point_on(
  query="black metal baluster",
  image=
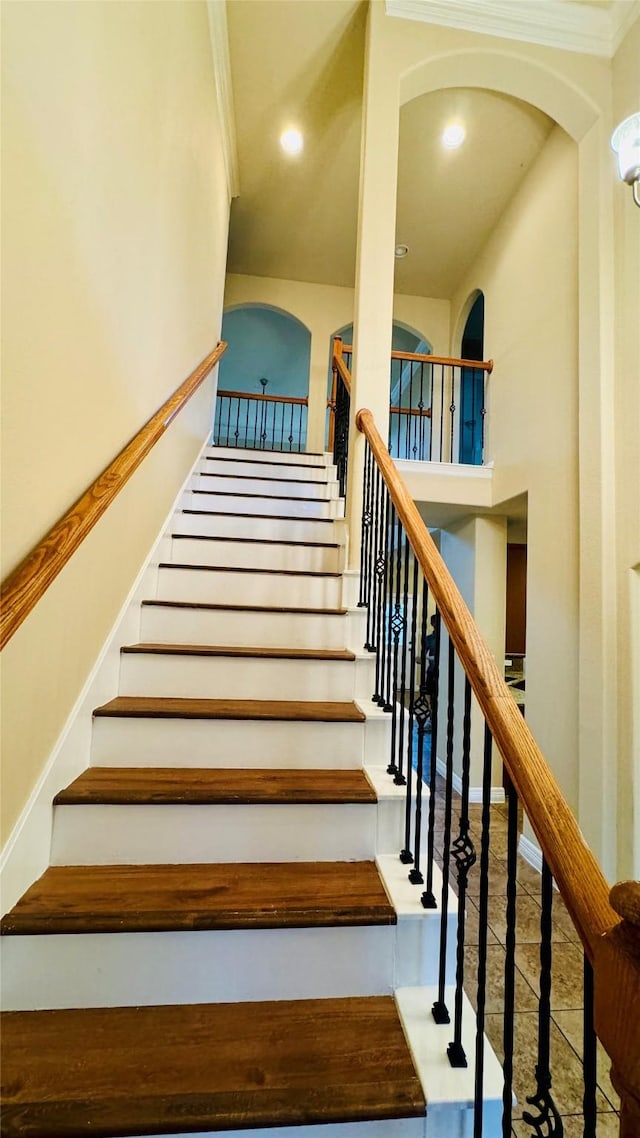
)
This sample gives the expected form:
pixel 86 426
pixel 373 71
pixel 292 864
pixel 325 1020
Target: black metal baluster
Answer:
pixel 400 702
pixel 440 1010
pixel 483 925
pixel 395 626
pixel 464 855
pixel 546 1120
pixel 421 410
pixel 440 456
pixel 227 435
pixel 256 433
pixel 420 713
pixel 452 410
pixel 483 412
pixel 510 960
pixel 589 1056
pixel 246 424
pixel 414 421
pixel 386 697
pixel 407 856
pixel 433 690
pixel 370 643
pixel 381 564
pixel 236 433
pixel 431 432
pixel 365 529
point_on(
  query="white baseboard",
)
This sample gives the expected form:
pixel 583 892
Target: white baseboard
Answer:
pixel 475 792
pixel 25 855
pixel 531 852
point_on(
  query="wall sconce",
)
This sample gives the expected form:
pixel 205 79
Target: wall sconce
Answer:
pixel 625 141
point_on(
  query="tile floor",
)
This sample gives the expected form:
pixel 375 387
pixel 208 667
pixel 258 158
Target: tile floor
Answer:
pixel 567 979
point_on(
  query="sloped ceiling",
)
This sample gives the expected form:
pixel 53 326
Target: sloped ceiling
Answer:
pixel 300 62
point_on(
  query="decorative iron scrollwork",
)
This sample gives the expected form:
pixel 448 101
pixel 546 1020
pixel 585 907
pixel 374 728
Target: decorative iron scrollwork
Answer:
pixel 464 854
pixel 380 563
pixel 422 709
pixel 547 1122
pixel 398 623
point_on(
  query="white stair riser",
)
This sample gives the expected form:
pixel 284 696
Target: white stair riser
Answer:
pixel 250 555
pixel 237 588
pixel 281 471
pixel 238 629
pixel 391 1128
pixel 121 741
pixel 229 677
pixel 276 529
pixel 265 507
pixel 130 969
pixel 177 834
pixel 321 491
pixel 299 458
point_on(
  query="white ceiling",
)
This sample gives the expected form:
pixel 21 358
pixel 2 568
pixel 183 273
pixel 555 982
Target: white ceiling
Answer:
pixel 300 62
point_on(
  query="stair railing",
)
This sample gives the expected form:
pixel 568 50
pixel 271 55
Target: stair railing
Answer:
pixel 257 421
pixel 433 675
pixel 438 408
pixel 339 407
pixel 29 581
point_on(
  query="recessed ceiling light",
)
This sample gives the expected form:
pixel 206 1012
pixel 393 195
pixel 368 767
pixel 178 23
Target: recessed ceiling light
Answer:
pixel 292 141
pixel 401 251
pixel 453 136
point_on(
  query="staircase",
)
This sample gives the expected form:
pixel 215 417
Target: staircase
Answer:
pixel 225 939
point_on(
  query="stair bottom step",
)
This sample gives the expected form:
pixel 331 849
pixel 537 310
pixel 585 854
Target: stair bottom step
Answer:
pixel 174 1069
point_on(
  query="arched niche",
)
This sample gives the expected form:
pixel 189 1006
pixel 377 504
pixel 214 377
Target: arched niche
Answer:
pixel 265 342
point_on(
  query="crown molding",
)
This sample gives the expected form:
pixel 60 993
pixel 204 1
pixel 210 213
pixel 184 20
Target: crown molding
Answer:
pixel 219 36
pixel 583 28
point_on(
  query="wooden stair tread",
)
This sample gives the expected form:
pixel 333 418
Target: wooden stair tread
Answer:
pixel 244 494
pixel 158 898
pixel 146 1070
pixel 269 517
pixel 244 608
pixel 243 569
pixel 265 478
pixel 316 711
pixel 214 786
pixel 256 541
pixel 158 649
pixel 267 461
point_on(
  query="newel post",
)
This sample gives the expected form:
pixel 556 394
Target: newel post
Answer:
pixel 617 1002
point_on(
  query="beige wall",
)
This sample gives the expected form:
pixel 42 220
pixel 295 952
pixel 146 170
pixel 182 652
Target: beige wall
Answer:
pixel 528 273
pixel 115 225
pixel 626 99
pixel 324 309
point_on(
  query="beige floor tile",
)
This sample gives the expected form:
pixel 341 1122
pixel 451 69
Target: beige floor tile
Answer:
pixel 566 1069
pixel 527 920
pixel 561 915
pixel 472 924
pixel 570 1024
pixel 566 976
pixel 525 997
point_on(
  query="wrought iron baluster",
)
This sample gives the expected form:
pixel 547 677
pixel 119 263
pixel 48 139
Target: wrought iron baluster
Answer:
pixel 421 410
pixel 236 433
pixel 440 1009
pixel 510 960
pixel 373 544
pixel 227 436
pixel 246 423
pixel 589 1056
pixel 375 576
pixel 433 691
pixel 483 924
pixel 420 713
pixel 365 529
pixel 400 699
pixel 464 855
pixel 386 701
pixel 546 1120
pixel 431 432
pixel 407 856
pixel 413 419
pixel 395 627
pixel 441 455
pixel 381 565
pixel 452 409
pixel 483 412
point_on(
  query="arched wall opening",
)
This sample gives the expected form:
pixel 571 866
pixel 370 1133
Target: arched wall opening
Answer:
pixel 472 386
pixel 265 343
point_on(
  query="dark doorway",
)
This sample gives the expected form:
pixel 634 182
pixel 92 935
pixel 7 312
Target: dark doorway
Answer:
pixel 472 387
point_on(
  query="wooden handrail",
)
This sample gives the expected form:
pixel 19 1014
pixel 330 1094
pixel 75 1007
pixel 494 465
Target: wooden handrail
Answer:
pixel 28 582
pixel 418 357
pixel 574 867
pixel 339 363
pixel 260 398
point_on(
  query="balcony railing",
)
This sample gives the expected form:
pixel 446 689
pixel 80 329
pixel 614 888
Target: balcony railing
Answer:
pixel 260 422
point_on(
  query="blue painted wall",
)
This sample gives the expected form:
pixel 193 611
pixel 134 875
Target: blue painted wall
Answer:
pixel 264 343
